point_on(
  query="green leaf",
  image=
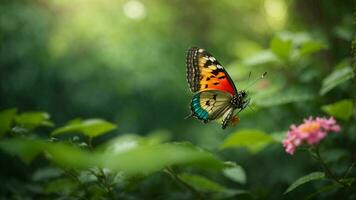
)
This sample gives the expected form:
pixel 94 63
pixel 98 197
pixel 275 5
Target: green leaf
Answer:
pixel 122 143
pixel 279 136
pixel 32 120
pixel 349 181
pixel 201 183
pixel 311 47
pixel 282 48
pixel 6 117
pixel 89 127
pixel 346 62
pixel 157 136
pixel 235 173
pixel 151 158
pixel 263 57
pixel 68 156
pixel 337 77
pixel 74 121
pixel 129 141
pixel 27 150
pixel 253 140
pixel 290 95
pixel 139 160
pixel 60 153
pixel 323 189
pixel 204 184
pixel 305 179
pixel 62 186
pixel 336 155
pixel 342 109
pixel 43 174
pixel 259 96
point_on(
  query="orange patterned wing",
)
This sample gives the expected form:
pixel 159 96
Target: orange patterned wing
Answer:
pixel 204 72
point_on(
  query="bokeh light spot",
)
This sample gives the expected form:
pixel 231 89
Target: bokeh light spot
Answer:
pixel 134 9
pixel 276 11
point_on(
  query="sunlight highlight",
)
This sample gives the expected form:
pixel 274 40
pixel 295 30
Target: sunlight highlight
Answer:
pixel 134 10
pixel 276 11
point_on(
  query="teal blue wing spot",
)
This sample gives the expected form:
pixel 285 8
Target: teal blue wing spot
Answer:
pixel 210 105
pixel 197 110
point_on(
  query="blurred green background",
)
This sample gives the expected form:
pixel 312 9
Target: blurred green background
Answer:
pixel 124 61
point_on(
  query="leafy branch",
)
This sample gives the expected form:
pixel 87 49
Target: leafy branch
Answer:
pixel 104 181
pixel 191 189
pixel 329 173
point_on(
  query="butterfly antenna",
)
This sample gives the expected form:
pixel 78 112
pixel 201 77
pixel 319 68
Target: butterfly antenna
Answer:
pixel 257 79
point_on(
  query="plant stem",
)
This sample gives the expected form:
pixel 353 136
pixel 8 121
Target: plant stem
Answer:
pixel 73 175
pixel 329 173
pixel 349 169
pixel 108 185
pixel 90 143
pixel 104 182
pixel 191 189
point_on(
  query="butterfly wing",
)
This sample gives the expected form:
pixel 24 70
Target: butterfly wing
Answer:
pixel 211 105
pixel 205 73
pixel 227 117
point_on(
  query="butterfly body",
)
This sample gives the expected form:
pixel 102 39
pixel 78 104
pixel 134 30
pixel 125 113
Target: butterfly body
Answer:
pixel 215 93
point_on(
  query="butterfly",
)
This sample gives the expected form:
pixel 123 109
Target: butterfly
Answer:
pixel 215 95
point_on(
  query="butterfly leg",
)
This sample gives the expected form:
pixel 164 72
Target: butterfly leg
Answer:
pixel 189 116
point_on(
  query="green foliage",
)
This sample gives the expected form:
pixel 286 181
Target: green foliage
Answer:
pixel 290 95
pixel 143 159
pixel 305 179
pixel 25 121
pixel 61 186
pixel 337 77
pixel 321 190
pixel 253 140
pixel 46 173
pixel 27 150
pixel 290 47
pixel 260 58
pixel 129 141
pixel 310 47
pixel 31 120
pixel 279 136
pixel 130 154
pixel 235 173
pixel 6 117
pixel 342 109
pixel 282 48
pixel 60 153
pixel 147 159
pixel 89 127
pixel 124 61
pixel 201 183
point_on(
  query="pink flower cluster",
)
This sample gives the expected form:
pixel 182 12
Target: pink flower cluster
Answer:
pixel 311 132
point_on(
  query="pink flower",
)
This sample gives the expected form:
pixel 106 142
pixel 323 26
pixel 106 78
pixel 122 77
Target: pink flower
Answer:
pixel 310 132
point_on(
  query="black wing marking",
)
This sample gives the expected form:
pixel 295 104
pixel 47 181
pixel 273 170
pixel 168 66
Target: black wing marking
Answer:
pixel 193 70
pixel 227 117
